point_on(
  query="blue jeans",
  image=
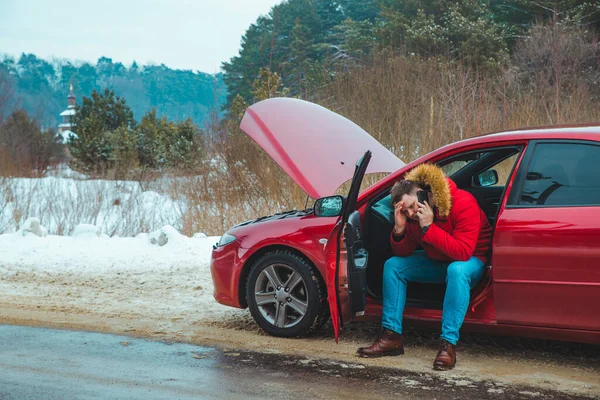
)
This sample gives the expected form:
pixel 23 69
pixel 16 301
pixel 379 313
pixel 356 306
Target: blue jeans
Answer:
pixel 460 277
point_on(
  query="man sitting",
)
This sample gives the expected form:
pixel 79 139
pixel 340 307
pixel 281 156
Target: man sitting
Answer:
pixel 455 236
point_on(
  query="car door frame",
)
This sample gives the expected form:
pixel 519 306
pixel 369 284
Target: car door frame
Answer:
pixel 376 190
pixel 350 259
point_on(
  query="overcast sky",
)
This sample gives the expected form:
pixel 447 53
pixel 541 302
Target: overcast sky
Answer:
pixel 182 34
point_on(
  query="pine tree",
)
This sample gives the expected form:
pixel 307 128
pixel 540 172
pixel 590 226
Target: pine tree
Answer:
pixel 95 123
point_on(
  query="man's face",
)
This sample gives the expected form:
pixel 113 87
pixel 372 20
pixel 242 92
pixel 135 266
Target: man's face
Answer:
pixel 410 206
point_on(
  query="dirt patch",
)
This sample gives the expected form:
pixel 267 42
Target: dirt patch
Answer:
pixel 174 307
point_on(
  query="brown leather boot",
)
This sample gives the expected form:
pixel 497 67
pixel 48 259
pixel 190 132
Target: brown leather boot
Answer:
pixel 446 357
pixel 389 343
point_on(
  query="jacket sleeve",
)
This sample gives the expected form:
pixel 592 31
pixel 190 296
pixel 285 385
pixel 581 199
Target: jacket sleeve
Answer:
pixel 460 245
pixel 406 244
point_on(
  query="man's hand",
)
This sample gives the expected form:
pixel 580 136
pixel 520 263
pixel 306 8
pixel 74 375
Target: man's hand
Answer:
pixel 399 218
pixel 425 214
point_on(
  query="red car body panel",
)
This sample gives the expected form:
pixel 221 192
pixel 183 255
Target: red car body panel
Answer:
pixel 230 263
pixel 540 287
pixel 535 273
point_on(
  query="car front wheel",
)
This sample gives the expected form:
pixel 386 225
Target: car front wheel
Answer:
pixel 285 295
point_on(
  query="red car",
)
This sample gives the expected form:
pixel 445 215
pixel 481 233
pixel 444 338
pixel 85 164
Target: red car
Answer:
pixel 540 189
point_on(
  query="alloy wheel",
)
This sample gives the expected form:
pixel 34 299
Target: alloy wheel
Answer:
pixel 281 296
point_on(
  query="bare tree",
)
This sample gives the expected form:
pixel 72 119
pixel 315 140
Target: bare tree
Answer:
pixel 7 92
pixel 558 59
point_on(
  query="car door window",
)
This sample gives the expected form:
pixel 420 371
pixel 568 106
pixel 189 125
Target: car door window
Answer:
pixel 465 167
pixel 562 174
pixel 454 166
pixel 504 169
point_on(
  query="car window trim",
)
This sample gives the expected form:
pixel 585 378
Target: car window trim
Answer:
pixel 517 189
pixel 519 147
pixel 479 170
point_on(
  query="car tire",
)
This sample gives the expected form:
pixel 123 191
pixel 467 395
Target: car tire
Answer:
pixel 285 295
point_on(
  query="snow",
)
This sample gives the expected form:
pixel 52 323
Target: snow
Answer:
pixel 32 227
pixel 66 134
pixel 108 247
pixel 86 250
pixel 167 234
pixel 63 171
pixel 68 112
pixel 64 200
pixel 125 265
pixel 86 231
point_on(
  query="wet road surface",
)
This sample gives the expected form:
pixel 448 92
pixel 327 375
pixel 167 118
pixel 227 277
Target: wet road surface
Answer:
pixel 37 363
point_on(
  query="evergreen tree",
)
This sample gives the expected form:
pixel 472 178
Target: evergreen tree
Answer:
pixel 459 28
pixel 124 155
pixel 162 143
pixel 183 148
pixel 151 134
pixel 95 123
pixel 360 10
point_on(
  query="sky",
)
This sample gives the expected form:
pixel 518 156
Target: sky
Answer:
pixel 182 34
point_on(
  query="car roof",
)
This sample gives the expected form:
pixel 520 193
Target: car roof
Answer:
pixel 581 131
pixel 568 132
pixel 589 132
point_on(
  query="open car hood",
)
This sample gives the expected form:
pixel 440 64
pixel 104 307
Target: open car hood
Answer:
pixel 316 147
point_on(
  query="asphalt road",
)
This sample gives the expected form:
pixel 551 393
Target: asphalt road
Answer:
pixel 38 363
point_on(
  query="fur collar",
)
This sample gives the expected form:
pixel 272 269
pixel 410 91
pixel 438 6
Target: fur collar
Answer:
pixel 429 176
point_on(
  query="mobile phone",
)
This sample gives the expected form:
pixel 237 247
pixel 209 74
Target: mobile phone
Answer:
pixel 423 196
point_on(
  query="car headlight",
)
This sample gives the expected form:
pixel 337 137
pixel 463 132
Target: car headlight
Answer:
pixel 225 239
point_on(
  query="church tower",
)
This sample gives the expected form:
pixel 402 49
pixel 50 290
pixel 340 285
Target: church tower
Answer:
pixel 71 98
pixel 66 125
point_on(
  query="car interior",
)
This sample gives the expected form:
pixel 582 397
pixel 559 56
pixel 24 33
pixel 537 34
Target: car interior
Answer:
pixel 483 173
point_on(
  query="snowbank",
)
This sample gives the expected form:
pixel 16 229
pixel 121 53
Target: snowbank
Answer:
pixel 86 231
pixel 87 251
pixel 120 275
pixel 32 227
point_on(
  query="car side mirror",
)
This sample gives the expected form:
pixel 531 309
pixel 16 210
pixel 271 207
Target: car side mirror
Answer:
pixel 486 178
pixel 330 206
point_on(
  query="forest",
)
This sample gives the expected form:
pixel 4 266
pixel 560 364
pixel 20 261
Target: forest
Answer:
pixel 415 74
pixel 41 87
pixel 308 42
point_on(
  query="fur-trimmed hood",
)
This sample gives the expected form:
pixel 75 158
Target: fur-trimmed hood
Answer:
pixel 429 176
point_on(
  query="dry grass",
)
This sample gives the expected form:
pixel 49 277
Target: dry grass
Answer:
pixel 414 106
pixel 410 105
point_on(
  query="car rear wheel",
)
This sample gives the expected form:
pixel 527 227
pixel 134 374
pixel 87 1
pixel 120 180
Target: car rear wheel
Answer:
pixel 285 295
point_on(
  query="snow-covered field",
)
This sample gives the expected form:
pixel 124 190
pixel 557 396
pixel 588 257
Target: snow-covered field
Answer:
pixel 113 245
pixel 113 248
pixel 116 207
pixel 64 199
pixel 163 271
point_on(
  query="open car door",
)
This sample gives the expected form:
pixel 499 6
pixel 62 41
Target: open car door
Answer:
pixel 346 277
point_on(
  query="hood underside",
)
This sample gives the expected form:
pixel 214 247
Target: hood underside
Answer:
pixel 316 147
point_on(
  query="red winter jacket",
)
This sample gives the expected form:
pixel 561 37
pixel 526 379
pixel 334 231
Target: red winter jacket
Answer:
pixel 464 233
